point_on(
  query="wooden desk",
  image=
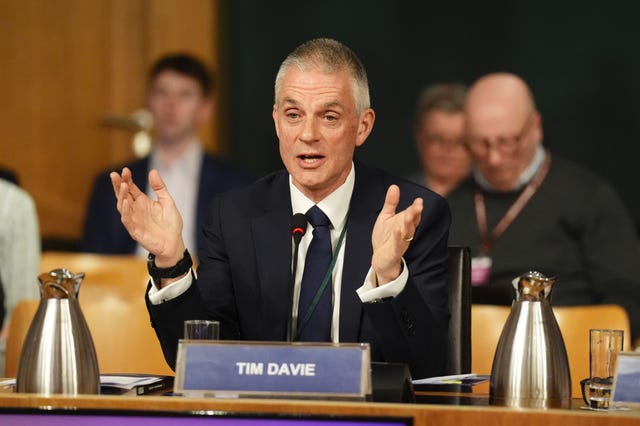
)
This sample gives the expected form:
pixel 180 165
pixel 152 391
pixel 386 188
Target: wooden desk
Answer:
pixel 423 414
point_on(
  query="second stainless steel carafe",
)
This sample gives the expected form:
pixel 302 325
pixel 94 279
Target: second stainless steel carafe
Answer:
pixel 530 366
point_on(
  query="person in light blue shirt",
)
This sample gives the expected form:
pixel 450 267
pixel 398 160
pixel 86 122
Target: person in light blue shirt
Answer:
pixel 19 253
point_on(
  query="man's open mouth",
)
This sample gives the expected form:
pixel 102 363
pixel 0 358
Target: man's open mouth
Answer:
pixel 310 158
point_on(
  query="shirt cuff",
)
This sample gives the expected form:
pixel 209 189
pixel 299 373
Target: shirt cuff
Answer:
pixel 171 291
pixel 369 292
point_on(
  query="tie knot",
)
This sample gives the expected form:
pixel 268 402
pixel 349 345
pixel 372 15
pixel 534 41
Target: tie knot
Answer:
pixel 316 217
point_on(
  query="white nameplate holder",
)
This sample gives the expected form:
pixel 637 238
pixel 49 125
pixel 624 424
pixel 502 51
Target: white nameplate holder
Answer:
pixel 241 369
pixel 626 385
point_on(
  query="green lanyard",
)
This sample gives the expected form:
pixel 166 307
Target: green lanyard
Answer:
pixel 323 285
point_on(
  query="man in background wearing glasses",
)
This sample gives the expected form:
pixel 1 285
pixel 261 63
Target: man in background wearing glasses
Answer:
pixel 525 209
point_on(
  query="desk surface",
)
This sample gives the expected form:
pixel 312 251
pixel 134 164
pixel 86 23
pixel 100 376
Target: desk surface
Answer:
pixel 423 414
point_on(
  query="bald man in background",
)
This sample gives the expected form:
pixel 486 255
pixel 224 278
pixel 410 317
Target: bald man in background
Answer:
pixel 526 209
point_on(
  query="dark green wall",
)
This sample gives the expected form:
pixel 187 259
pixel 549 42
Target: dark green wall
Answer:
pixel 580 61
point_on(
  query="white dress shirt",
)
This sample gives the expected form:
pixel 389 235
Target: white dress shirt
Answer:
pixel 336 207
pixel 182 178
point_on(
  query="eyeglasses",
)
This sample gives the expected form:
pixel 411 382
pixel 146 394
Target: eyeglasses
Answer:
pixel 444 142
pixel 480 146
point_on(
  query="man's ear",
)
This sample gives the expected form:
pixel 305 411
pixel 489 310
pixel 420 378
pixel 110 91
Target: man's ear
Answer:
pixel 274 114
pixel 206 109
pixel 537 125
pixel 365 125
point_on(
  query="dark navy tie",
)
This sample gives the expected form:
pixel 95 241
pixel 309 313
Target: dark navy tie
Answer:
pixel 316 265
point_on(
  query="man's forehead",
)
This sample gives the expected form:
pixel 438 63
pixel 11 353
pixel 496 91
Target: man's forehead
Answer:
pixel 171 77
pixel 331 103
pixel 494 114
pixel 442 115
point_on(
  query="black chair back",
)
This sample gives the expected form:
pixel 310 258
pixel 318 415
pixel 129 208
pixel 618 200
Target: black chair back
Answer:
pixel 459 347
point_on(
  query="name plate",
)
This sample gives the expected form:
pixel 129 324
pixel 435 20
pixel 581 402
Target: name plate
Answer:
pixel 223 368
pixel 626 385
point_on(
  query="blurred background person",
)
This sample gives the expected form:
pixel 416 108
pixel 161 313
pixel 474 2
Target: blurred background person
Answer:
pixel 19 254
pixel 180 99
pixel 8 175
pixel 439 132
pixel 525 209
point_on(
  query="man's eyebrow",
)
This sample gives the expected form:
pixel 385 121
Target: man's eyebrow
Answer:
pixel 328 105
pixel 333 104
pixel 288 100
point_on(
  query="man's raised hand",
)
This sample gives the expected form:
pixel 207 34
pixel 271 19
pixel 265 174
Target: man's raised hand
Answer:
pixel 155 225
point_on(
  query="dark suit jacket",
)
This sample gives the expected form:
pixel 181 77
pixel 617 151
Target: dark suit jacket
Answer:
pixel 103 230
pixel 8 175
pixel 245 266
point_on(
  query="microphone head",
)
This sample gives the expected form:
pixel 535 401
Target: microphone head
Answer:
pixel 298 226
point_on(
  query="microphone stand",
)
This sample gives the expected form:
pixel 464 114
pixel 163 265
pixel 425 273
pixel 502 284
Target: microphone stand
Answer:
pixel 298 229
pixel 291 286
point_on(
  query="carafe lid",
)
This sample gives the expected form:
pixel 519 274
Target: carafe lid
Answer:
pixel 533 286
pixel 60 284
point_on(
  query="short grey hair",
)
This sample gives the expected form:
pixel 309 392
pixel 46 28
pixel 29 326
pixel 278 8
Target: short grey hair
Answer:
pixel 445 97
pixel 328 56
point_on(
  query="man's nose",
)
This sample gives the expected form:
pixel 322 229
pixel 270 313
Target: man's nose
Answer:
pixel 173 99
pixel 309 130
pixel 494 156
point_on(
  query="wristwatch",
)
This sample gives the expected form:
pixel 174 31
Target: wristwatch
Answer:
pixel 180 268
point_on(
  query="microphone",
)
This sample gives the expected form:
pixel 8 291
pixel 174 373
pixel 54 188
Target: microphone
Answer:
pixel 138 120
pixel 298 229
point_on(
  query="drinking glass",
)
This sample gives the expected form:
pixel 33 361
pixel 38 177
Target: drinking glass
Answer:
pixel 201 330
pixel 604 347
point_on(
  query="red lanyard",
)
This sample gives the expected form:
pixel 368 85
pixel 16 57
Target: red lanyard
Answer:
pixel 488 238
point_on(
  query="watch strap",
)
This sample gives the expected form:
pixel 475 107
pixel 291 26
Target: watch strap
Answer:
pixel 180 268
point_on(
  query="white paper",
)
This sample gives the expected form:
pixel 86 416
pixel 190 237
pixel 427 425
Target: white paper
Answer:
pixel 443 380
pixel 127 382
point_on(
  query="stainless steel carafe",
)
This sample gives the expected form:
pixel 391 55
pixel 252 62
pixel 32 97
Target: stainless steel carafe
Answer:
pixel 530 366
pixel 58 355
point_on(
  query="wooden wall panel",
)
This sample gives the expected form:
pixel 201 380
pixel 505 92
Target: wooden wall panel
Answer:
pixel 126 67
pixel 67 63
pixel 187 25
pixel 54 91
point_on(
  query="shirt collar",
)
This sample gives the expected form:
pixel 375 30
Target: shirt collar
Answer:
pixel 334 205
pixel 188 162
pixel 525 177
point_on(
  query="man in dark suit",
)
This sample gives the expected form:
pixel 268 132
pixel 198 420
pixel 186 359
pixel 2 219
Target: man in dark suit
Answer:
pixel 387 282
pixel 180 101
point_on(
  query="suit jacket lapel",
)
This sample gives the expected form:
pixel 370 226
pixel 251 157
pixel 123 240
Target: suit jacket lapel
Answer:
pixel 366 203
pixel 272 233
pixel 206 182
